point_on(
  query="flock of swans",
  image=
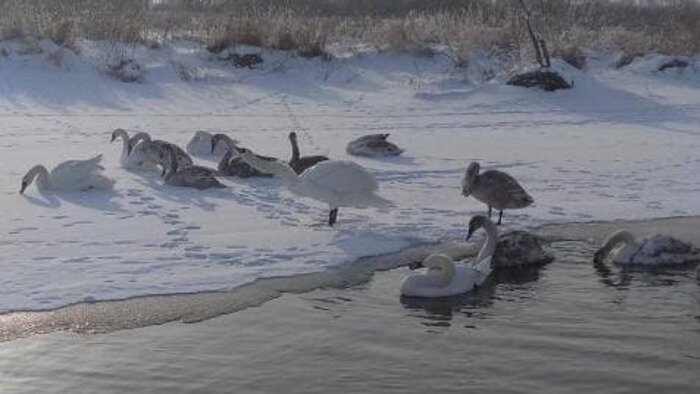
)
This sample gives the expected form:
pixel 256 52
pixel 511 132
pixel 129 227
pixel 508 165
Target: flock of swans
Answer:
pixel 341 184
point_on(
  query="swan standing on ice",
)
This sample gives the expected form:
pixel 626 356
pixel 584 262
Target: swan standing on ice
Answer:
pixel 494 188
pixel 373 145
pixel 300 163
pixel 231 164
pixel 202 144
pixel 197 177
pixel 71 175
pixel 336 183
pixel 444 278
pixel 653 250
pixel 520 249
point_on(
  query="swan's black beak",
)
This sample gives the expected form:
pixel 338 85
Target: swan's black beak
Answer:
pixel 597 257
pixel 470 233
pixel 213 145
pixel 415 265
pixel 112 138
pixel 128 149
pixel 24 186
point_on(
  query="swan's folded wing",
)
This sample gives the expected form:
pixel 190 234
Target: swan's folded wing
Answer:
pixel 505 185
pixel 341 177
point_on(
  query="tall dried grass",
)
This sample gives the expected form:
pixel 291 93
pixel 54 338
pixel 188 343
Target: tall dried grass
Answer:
pixel 670 26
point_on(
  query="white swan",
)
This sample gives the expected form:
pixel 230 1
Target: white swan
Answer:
pixel 71 175
pixel 373 145
pixel 653 250
pixel 203 144
pixel 134 155
pixel 336 183
pixel 444 278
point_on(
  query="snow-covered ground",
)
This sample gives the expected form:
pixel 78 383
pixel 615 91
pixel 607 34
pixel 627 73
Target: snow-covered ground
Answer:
pixel 623 144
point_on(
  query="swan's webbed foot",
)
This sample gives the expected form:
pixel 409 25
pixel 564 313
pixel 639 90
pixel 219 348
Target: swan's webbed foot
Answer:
pixel 332 216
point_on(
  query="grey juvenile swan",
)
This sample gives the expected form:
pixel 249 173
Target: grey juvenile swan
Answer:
pixel 494 188
pixel 373 145
pixel 231 164
pixel 197 177
pixel 143 141
pixel 520 249
pixel 300 163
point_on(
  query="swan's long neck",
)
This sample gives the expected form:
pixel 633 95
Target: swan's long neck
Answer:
pixel 125 141
pixel 295 148
pixel 614 239
pixel 41 174
pixel 273 167
pixel 491 240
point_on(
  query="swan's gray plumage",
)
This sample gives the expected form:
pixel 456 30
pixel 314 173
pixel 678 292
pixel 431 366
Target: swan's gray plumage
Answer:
pixel 235 166
pixel 519 249
pixel 155 147
pixel 494 188
pixel 197 177
pixel 373 145
pixel 300 163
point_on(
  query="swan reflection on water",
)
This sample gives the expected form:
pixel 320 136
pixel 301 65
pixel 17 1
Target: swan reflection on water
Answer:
pixel 439 311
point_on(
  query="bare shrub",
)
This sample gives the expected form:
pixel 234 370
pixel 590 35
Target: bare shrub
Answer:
pixel 309 26
pixel 187 74
pixel 573 55
pixel 55 57
pixel 122 67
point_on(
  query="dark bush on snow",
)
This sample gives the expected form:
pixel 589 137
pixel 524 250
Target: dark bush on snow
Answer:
pixel 249 60
pixel 546 80
pixel 674 63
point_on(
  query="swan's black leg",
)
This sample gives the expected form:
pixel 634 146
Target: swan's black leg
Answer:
pixel 332 216
pixel 490 209
pixel 500 216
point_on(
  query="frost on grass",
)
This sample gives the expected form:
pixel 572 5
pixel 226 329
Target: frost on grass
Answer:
pixel 122 67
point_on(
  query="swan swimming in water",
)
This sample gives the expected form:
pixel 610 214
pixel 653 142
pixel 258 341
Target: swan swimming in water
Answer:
pixel 336 183
pixel 494 188
pixel 197 177
pixel 71 175
pixel 202 144
pixel 446 278
pixel 300 163
pixel 653 250
pixel 373 145
pixel 520 249
pixel 231 164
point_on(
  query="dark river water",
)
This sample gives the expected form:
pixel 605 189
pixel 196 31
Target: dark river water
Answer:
pixel 567 327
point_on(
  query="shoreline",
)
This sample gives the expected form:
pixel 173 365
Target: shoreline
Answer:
pixel 149 310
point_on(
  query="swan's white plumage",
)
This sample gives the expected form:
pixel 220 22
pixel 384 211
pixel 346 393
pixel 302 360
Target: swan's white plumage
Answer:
pixel 436 282
pixel 201 143
pixel 72 175
pixel 445 278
